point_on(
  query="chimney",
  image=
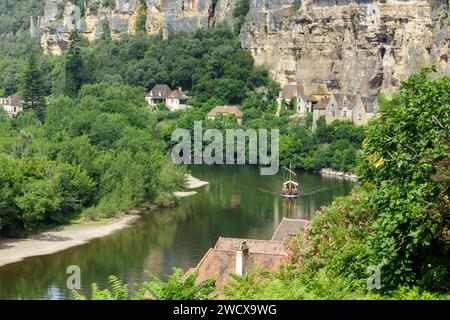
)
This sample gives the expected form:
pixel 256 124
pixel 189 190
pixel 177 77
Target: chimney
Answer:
pixel 241 258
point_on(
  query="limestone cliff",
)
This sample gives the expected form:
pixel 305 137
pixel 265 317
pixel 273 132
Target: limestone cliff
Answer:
pixel 353 45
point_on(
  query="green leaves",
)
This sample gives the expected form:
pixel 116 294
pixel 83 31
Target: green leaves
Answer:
pixel 410 137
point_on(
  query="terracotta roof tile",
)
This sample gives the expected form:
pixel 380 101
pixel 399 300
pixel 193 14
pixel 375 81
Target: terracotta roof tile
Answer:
pixel 226 110
pixel 288 228
pixel 15 101
pixel 255 246
pixel 322 104
pixel 219 263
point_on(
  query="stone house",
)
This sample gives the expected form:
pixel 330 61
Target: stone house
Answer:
pixel 340 107
pixel 12 105
pixel 240 256
pixel 319 110
pixel 226 110
pixel 365 109
pixel 162 94
pixel 178 100
pixel 346 107
pixel 295 97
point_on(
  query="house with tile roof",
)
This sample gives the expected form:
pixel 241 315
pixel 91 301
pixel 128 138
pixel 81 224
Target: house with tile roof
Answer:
pixel 12 105
pixel 239 256
pixel 295 97
pixel 162 94
pixel 340 107
pixel 365 109
pixel 289 228
pixel 319 110
pixel 225 111
pixel 346 107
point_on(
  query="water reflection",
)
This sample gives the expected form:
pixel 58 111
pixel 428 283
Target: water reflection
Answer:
pixel 238 202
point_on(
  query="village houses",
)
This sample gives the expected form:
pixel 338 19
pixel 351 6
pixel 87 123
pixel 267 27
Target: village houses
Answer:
pixel 225 111
pixel 12 105
pixel 162 94
pixel 334 106
pixel 294 97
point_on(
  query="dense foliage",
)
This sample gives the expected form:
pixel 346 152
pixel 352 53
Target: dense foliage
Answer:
pixel 397 222
pixel 96 155
pixel 405 154
pixel 177 287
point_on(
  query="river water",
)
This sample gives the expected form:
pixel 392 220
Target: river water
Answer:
pixel 238 202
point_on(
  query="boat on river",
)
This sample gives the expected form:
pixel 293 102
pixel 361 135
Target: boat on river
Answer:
pixel 290 187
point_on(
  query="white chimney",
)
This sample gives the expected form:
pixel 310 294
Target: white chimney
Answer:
pixel 241 258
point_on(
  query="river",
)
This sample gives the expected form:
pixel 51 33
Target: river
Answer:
pixel 238 202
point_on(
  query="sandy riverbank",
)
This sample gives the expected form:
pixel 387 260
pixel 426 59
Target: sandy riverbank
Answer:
pixel 60 239
pixel 78 233
pixel 192 183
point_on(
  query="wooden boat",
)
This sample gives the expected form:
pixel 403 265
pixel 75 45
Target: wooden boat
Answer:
pixel 290 187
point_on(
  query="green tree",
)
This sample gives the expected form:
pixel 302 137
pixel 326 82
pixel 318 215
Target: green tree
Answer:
pixel 106 31
pixel 401 152
pixel 33 88
pixel 74 66
pixel 141 19
pixel 240 12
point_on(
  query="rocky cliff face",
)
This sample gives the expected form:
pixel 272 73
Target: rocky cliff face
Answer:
pixel 353 45
pixel 163 16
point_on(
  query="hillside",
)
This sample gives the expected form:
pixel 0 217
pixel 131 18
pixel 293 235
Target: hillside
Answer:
pixel 354 46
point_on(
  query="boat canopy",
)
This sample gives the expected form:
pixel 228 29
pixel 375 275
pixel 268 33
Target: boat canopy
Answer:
pixel 290 182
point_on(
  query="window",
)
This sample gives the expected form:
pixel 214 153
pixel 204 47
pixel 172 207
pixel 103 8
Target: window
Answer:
pixel 344 114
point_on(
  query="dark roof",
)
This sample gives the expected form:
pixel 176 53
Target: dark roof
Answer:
pixel 288 228
pixel 370 104
pixel 352 98
pixel 160 91
pixel 226 110
pixel 339 99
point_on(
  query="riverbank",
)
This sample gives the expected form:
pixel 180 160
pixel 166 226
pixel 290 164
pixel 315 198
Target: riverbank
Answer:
pixel 75 234
pixel 339 174
pixel 62 238
pixel 191 183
